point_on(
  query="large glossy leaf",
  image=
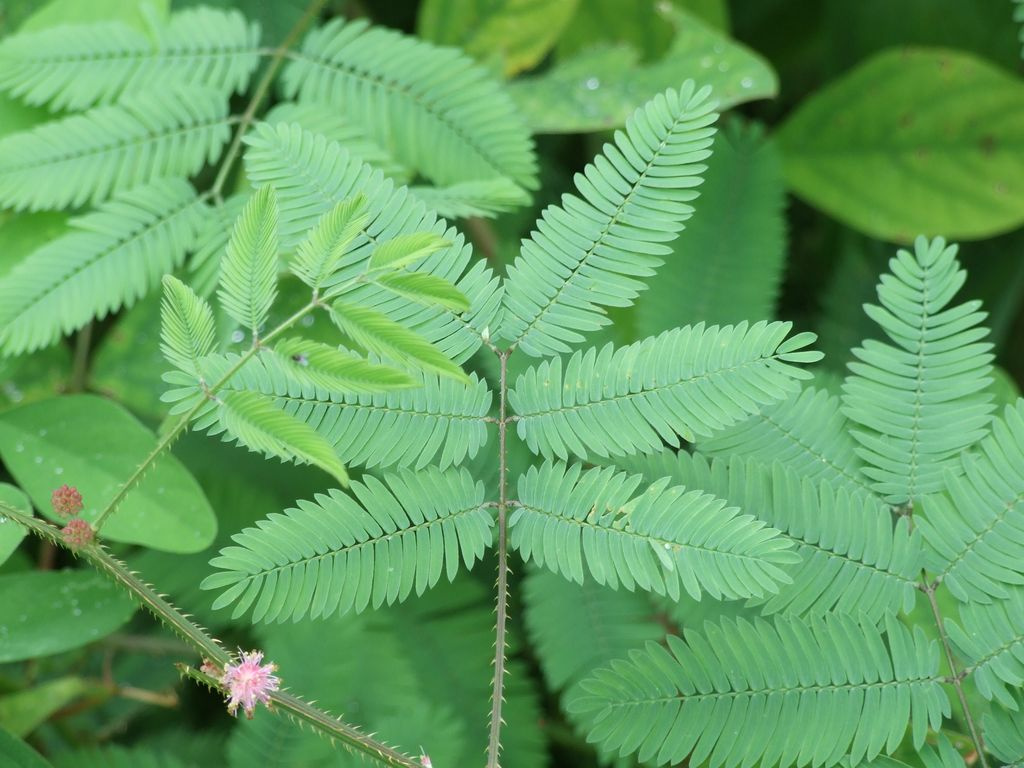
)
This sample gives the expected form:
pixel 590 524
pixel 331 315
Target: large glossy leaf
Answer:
pixel 913 141
pixel 95 445
pixel 512 34
pixel 601 86
pixel 46 612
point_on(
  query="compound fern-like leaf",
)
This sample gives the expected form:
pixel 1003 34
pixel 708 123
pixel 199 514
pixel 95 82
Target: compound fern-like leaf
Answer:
pixel 1004 734
pixel 684 383
pixel 784 693
pixel 437 111
pixel 110 258
pixel 975 531
pixel 853 559
pixel 343 553
pixel 920 400
pixel 248 272
pixel 660 539
pixel 318 256
pixel 86 158
pixel 186 326
pixel 80 65
pixel 315 365
pixel 590 252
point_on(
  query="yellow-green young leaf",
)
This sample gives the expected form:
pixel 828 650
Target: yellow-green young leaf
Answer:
pixel 913 141
pixel 338 371
pixel 378 333
pixel 512 34
pixel 598 88
pixel 248 273
pixel 405 249
pixel 186 326
pixel 318 255
pixel 424 288
pixel 257 423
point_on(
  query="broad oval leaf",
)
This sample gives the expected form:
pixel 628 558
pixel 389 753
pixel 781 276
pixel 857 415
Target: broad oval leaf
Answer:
pixel 46 612
pixel 95 445
pixel 913 141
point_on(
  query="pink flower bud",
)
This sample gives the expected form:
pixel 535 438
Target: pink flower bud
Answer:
pixel 425 761
pixel 77 533
pixel 66 501
pixel 249 683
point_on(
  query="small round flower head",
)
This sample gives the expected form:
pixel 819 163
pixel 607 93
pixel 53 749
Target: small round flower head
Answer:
pixel 249 683
pixel 67 501
pixel 77 533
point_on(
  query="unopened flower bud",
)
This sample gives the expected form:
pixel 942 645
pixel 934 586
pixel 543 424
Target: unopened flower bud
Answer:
pixel 66 501
pixel 77 533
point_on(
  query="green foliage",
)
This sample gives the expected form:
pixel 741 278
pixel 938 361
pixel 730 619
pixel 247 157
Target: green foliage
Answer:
pixel 921 399
pixel 812 693
pixel 867 150
pixel 722 565
pixel 657 540
pixel 338 554
pixel 589 252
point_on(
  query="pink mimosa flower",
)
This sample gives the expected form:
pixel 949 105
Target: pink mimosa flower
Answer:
pixel 249 683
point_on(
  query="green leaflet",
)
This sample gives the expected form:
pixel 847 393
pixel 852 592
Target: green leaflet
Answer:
pixel 921 399
pixel 334 235
pixel 589 253
pixel 110 258
pixel 1004 733
pixel 321 366
pixel 451 127
pixel 802 693
pixel 989 637
pixel 896 146
pixel 684 383
pixel 248 273
pixel 257 423
pixel 973 530
pixel 17 754
pixel 186 326
pixel 78 66
pixel 657 540
pixel 373 549
pixel 86 158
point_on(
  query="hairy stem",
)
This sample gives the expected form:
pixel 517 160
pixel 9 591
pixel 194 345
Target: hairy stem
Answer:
pixel 205 645
pixel 957 676
pixel 179 426
pixel 260 93
pixel 500 641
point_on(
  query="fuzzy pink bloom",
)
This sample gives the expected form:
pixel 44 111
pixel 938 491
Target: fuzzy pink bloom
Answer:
pixel 77 533
pixel 66 501
pixel 249 683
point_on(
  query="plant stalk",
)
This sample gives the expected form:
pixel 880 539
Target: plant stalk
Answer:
pixel 260 92
pixel 500 640
pixel 957 677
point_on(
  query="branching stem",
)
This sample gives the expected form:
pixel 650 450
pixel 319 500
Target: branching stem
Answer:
pixel 260 92
pixel 205 645
pixel 500 642
pixel 956 677
pixel 179 426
